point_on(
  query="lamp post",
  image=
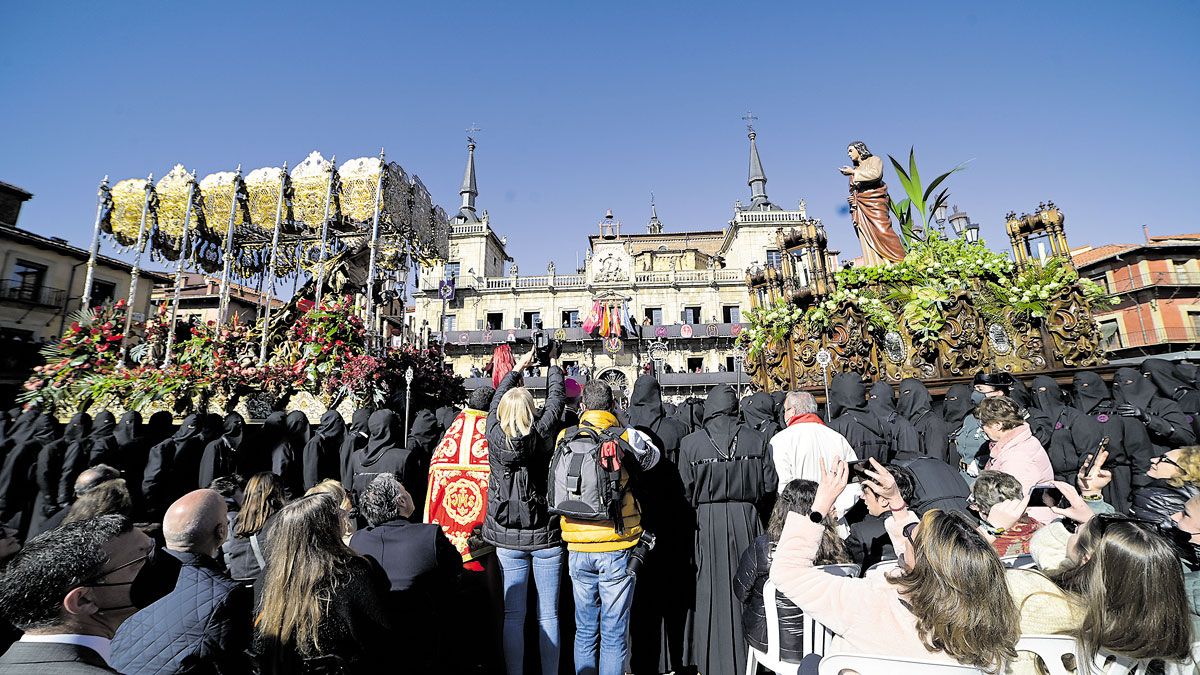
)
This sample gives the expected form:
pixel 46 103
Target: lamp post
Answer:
pixel 963 227
pixel 939 217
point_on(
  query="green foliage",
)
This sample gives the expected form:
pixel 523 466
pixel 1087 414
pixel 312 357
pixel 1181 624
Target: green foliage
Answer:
pixel 920 197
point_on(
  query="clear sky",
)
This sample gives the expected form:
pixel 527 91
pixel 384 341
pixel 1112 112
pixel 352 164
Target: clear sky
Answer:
pixel 590 106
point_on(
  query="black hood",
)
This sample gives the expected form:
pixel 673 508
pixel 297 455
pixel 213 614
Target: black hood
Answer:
pixel 424 432
pixel 233 429
pixel 272 433
pixel 129 429
pixel 1049 401
pixel 445 416
pixel 758 410
pixel 332 425
pixel 721 415
pixel 846 392
pixel 777 398
pixel 1190 373
pixel 1020 393
pixel 958 404
pixel 1166 377
pixel 683 414
pixel 1130 386
pixel 104 425
pixel 78 428
pixel 880 400
pixel 297 427
pixel 645 404
pixel 1090 391
pixel 160 426
pixel 188 431
pixel 384 435
pixel 914 398
pixel 359 420
pixel 45 429
pixel 481 398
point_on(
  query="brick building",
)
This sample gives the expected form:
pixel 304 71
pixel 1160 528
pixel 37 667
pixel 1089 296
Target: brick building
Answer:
pixel 1158 285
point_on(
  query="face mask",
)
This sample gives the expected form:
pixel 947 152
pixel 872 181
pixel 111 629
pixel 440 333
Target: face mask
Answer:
pixel 1182 539
pixel 977 396
pixel 154 580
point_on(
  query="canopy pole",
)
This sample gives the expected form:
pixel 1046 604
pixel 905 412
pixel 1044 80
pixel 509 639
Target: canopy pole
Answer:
pixel 373 329
pixel 184 252
pixel 103 199
pixel 262 349
pixel 136 271
pixel 223 303
pixel 320 277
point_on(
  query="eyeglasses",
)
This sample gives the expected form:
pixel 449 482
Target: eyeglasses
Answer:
pixel 1163 458
pixel 99 584
pixel 1106 519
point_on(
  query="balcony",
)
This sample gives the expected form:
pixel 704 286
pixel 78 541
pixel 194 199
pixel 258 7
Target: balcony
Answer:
pixel 700 331
pixel 579 281
pixel 1151 337
pixel 1127 283
pixel 43 296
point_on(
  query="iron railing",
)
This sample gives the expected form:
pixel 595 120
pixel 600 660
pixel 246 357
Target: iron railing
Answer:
pixel 15 291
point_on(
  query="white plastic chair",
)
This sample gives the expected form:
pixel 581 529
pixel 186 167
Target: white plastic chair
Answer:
pixel 1050 649
pixel 834 664
pixel 882 567
pixel 770 660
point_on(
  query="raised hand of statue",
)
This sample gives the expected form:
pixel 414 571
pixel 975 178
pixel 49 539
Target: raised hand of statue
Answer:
pixel 846 170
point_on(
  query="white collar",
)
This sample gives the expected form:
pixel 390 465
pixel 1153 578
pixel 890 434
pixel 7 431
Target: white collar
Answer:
pixel 100 645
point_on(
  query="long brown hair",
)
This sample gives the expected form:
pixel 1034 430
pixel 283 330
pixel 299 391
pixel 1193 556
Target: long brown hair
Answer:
pixel 264 497
pixel 958 591
pixel 301 578
pixel 797 497
pixel 1131 588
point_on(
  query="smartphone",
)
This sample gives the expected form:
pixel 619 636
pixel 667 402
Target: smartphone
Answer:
pixel 1048 495
pixel 1090 461
pixel 858 470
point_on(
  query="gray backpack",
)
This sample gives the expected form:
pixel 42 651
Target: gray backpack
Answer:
pixel 585 475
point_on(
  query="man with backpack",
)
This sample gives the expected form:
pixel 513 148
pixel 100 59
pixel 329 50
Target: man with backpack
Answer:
pixel 590 476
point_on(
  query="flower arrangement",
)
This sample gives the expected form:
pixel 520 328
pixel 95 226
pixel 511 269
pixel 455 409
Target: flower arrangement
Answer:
pixel 90 345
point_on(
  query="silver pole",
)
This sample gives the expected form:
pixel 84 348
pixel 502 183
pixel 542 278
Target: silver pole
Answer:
pixel 102 199
pixel 373 328
pixel 262 349
pixel 325 233
pixel 408 376
pixel 135 272
pixel 183 254
pixel 223 303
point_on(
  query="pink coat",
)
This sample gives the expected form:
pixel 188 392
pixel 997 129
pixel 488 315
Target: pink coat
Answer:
pixel 1019 454
pixel 865 614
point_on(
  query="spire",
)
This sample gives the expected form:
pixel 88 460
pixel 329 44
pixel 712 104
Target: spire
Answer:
pixel 758 179
pixel 468 190
pixel 655 226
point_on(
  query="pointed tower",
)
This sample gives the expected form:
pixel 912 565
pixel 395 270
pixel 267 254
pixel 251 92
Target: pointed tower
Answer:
pixel 466 213
pixel 758 179
pixel 655 226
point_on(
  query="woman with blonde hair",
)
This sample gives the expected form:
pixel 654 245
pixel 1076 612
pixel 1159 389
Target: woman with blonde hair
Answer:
pixel 1174 478
pixel 319 605
pixel 246 548
pixel 949 602
pixel 527 538
pixel 334 488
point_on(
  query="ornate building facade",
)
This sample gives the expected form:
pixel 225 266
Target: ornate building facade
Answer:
pixel 684 292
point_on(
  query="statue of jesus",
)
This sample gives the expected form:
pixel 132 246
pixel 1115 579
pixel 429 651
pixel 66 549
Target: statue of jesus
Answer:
pixel 869 207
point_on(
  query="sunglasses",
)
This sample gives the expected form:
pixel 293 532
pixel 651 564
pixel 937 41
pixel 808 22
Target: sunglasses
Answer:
pixel 1164 459
pixel 1106 519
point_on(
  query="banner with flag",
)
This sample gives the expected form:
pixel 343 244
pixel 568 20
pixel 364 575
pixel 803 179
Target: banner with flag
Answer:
pixel 593 318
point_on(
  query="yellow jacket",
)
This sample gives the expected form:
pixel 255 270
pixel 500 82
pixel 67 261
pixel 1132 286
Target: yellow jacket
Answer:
pixel 602 536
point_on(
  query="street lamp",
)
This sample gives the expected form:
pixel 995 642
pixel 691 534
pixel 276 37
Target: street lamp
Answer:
pixel 959 221
pixel 939 216
pixel 973 233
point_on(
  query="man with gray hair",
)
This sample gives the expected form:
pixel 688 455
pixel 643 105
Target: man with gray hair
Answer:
pixel 421 564
pixel 204 624
pixel 800 447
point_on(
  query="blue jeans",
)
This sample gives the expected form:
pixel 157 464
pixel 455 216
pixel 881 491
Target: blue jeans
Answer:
pixel 603 598
pixel 514 568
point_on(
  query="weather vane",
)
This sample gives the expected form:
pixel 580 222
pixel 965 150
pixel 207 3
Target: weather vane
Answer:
pixel 750 119
pixel 471 131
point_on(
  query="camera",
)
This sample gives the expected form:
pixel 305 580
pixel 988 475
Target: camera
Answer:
pixel 637 555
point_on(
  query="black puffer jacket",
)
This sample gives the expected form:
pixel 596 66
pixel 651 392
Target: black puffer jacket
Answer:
pixel 517 515
pixel 753 571
pixel 1159 500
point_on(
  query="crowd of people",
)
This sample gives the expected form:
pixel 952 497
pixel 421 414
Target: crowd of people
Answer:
pixel 653 538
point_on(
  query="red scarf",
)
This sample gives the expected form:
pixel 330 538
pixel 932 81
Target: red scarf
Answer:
pixel 806 417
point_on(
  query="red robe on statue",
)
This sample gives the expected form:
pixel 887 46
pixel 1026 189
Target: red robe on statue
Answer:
pixel 456 497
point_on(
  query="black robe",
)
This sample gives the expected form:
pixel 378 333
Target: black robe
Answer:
pixel 102 446
pixel 1172 383
pixel 729 477
pixel 957 406
pixel 131 455
pixel 1093 398
pixel 255 456
pixel 385 454
pixel 73 460
pixel 355 439
pixel 20 481
pixel 287 455
pixel 1166 426
pixel 86 452
pixel 916 406
pixel 220 456
pixel 866 432
pixel 174 466
pixel 322 458
pixel 1073 435
pixel 664 591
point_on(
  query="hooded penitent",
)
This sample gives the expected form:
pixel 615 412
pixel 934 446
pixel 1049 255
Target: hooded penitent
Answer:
pixel 957 405
pixel 21 480
pixel 322 453
pixel 1073 435
pixel 174 465
pixel 916 406
pixel 880 400
pixel 727 476
pixel 355 439
pixel 102 444
pixel 866 432
pixel 385 453
pixel 758 410
pixel 1172 384
pixel 1089 391
pixel 1165 424
pixel 1126 437
pixel 220 455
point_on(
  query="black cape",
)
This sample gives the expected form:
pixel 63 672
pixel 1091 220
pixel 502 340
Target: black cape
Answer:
pixel 869 434
pixel 322 453
pixel 1093 398
pixel 916 406
pixel 1073 435
pixel 220 455
pixel 1166 426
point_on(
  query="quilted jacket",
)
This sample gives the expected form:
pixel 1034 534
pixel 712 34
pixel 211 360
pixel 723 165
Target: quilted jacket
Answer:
pixel 203 626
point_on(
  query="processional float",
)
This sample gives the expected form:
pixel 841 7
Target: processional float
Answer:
pixel 318 219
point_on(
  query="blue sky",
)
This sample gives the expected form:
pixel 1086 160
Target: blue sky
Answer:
pixel 590 106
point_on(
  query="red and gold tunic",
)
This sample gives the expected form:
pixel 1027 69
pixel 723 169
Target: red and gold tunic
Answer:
pixel 458 481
